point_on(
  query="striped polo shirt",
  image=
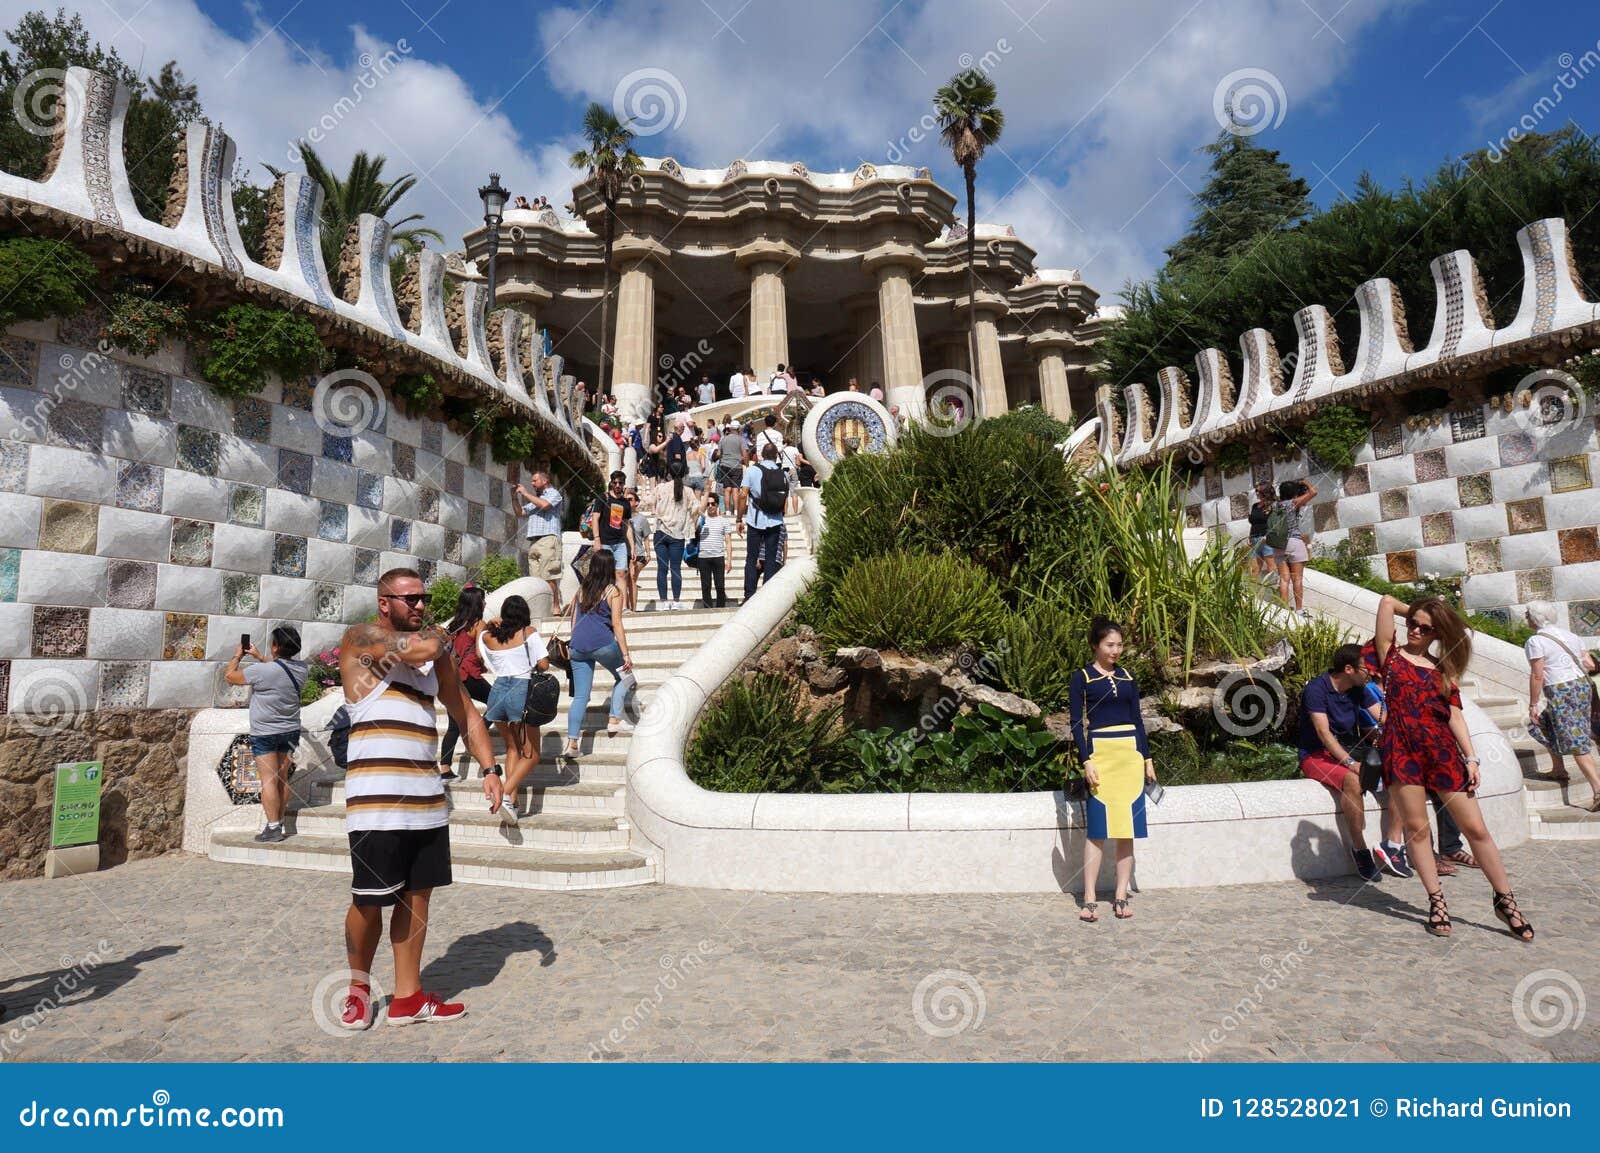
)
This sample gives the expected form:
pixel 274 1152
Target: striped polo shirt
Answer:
pixel 392 781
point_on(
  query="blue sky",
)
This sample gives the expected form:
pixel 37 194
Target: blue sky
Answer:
pixel 1106 102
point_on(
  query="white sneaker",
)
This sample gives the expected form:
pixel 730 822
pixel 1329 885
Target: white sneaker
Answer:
pixel 508 813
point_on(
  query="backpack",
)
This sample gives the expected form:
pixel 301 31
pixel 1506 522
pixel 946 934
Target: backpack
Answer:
pixel 339 736
pixel 774 489
pixel 1278 527
pixel 691 548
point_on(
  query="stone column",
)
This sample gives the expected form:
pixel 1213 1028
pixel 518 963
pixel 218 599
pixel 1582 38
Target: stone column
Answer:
pixel 1055 394
pixel 991 374
pixel 866 361
pixel 894 265
pixel 769 309
pixel 633 366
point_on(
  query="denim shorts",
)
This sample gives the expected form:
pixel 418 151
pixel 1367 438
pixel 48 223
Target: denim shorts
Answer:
pixel 1260 549
pixel 620 552
pixel 507 696
pixel 274 742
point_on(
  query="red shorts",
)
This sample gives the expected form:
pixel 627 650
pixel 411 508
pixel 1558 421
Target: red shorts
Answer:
pixel 1322 768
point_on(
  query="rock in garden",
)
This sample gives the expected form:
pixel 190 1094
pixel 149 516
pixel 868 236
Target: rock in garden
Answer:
pixel 906 678
pixel 1008 703
pixel 858 657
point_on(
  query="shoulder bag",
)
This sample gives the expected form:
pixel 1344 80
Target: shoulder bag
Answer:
pixel 1594 692
pixel 539 707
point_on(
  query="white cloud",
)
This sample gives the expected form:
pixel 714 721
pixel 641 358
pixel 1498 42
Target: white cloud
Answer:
pixel 1104 102
pixel 266 91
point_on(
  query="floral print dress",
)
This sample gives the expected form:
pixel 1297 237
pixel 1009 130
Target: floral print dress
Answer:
pixel 1418 746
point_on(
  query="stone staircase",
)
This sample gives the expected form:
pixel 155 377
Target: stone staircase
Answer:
pixel 574 832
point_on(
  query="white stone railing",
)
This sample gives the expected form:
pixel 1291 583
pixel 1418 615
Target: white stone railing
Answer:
pixel 1552 304
pixel 967 842
pixel 89 181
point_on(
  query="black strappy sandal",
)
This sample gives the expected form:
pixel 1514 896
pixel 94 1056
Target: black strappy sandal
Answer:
pixel 1089 914
pixel 1119 906
pixel 1438 915
pixel 1505 907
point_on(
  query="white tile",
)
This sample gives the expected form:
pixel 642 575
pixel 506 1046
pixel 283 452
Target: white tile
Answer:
pixel 1444 559
pixel 197 404
pixel 128 534
pixel 241 549
pixel 1399 535
pixel 1486 522
pixel 223 633
pixel 1358 510
pixel 135 436
pixel 191 495
pixel 61 578
pixel 126 634
pixel 400 427
pixel 453 512
pixel 1392 472
pixel 1529 550
pixel 16 629
pixel 427 540
pixel 333 480
pixel 79 374
pixel 1577 582
pixel 291 513
pixel 1571 509
pixel 296 430
pixel 179 684
pixel 367 527
pixel 400 497
pixel 19 520
pixel 183 589
pixel 1489 590
pixel 1521 481
pixel 328 560
pixel 430 469
pixel 24 415
pixel 370 451
pixel 248 462
pixel 288 598
pixel 71 474
pixel 1435 496
pixel 1472 456
pixel 54 686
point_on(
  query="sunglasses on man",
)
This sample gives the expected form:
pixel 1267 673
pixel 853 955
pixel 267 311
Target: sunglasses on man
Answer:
pixel 412 599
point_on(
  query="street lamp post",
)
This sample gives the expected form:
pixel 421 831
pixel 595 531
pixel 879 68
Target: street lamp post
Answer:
pixel 494 202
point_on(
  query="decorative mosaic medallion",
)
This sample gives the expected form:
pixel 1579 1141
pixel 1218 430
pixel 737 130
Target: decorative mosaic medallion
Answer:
pixel 841 425
pixel 1569 474
pixel 1402 566
pixel 1524 516
pixel 185 637
pixel 1535 584
pixel 1475 491
pixel 1431 465
pixel 1483 557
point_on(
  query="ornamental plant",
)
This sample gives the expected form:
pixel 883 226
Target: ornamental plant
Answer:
pixel 42 278
pixel 245 341
pixel 1333 435
pixel 418 391
pixel 140 319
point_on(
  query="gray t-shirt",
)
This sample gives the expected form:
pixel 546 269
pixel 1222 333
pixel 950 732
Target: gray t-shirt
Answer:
pixel 274 699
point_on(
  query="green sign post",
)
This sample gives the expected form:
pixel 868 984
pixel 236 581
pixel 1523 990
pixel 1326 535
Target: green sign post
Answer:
pixel 76 818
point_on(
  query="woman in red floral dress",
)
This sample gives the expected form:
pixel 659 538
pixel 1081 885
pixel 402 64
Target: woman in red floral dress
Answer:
pixel 1426 746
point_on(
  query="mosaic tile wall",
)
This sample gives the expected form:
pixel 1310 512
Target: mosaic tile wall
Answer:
pixel 1505 500
pixel 146 522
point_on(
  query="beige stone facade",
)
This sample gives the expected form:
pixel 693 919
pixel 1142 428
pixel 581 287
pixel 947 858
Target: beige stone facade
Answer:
pixel 854 274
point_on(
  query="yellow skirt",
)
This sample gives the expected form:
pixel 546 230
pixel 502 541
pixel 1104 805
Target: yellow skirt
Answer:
pixel 1115 810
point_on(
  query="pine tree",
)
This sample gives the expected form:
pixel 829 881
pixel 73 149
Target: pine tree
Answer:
pixel 1250 193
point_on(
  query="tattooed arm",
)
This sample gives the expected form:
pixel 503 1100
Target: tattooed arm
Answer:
pixel 368 650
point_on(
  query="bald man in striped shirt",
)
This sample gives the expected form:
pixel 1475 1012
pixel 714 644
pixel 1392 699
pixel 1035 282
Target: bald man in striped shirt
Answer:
pixel 395 809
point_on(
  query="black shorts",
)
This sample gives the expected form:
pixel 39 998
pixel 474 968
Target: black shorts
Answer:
pixel 730 477
pixel 387 862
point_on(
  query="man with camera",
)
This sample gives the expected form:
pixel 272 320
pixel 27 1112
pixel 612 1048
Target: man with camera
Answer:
pixel 1338 731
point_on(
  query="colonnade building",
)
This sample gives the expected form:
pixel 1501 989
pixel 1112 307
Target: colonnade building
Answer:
pixel 852 274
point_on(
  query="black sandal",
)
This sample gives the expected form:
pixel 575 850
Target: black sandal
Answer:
pixel 1505 907
pixel 1089 913
pixel 1119 906
pixel 1438 915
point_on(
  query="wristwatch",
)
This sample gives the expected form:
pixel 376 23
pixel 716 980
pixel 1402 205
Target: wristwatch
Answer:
pixel 495 770
pixel 1350 762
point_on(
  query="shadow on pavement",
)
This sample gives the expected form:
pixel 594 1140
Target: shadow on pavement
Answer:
pixel 476 960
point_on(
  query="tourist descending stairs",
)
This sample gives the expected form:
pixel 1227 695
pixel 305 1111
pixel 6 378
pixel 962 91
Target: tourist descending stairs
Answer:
pixel 574 831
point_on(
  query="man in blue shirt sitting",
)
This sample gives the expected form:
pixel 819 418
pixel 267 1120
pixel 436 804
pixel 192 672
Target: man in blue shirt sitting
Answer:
pixel 1335 713
pixel 767 488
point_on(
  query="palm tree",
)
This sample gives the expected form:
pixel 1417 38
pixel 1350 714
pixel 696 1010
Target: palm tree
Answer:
pixel 968 123
pixel 608 160
pixel 363 189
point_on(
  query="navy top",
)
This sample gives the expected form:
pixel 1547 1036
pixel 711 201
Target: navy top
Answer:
pixel 1100 700
pixel 1346 712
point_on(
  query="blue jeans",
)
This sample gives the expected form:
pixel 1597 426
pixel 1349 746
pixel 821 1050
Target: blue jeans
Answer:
pixel 583 663
pixel 765 544
pixel 669 563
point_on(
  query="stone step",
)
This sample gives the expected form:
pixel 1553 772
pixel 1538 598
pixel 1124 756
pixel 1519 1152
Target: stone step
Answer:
pixel 542 792
pixel 1544 793
pixel 1564 825
pixel 472 823
pixel 481 864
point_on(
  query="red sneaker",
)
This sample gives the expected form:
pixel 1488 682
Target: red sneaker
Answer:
pixel 358 1012
pixel 424 1007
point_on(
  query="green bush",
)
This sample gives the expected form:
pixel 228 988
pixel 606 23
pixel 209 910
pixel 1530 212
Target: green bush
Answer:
pixel 1333 435
pixel 512 439
pixel 1232 458
pixel 1314 643
pixel 1034 421
pixel 915 603
pixel 245 342
pixel 984 751
pixel 443 593
pixel 1038 652
pixel 418 391
pixel 140 319
pixel 495 571
pixel 756 737
pixel 42 278
pixel 1184 758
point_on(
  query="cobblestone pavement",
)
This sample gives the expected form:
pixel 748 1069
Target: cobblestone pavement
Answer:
pixel 181 958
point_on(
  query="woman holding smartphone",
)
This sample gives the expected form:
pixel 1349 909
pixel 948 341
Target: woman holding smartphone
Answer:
pixel 1426 746
pixel 1108 731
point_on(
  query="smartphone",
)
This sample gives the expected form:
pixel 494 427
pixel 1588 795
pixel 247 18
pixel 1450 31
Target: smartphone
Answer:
pixel 244 641
pixel 1154 792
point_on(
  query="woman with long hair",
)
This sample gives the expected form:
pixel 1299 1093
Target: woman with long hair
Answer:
pixel 1103 700
pixel 1260 553
pixel 676 513
pixel 1426 746
pixel 1295 553
pixel 464 628
pixel 512 649
pixel 597 639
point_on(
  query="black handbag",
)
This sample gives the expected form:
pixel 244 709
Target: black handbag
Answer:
pixel 544 691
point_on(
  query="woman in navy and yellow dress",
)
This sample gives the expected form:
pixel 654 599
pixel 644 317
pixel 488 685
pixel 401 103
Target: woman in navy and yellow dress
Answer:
pixel 1115 754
